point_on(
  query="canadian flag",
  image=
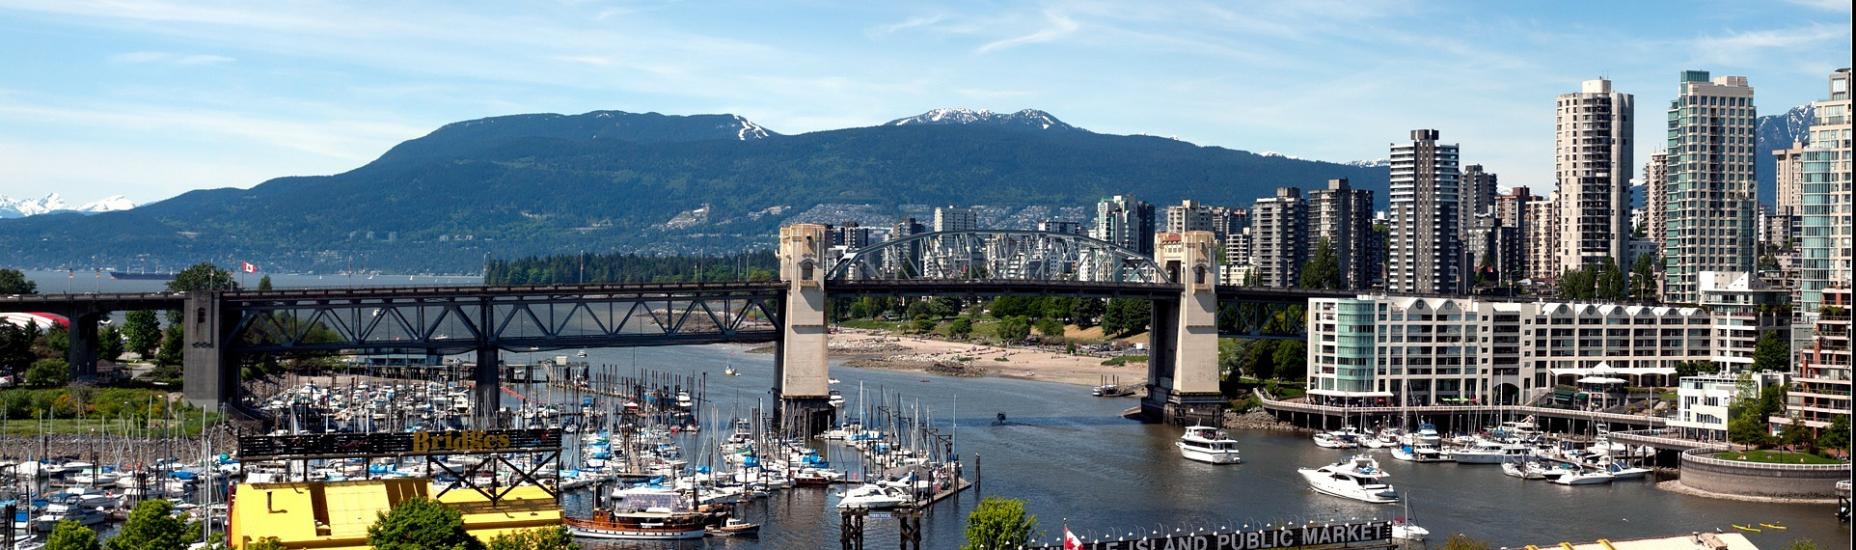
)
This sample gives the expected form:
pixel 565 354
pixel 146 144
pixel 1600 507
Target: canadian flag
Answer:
pixel 1070 542
pixel 247 267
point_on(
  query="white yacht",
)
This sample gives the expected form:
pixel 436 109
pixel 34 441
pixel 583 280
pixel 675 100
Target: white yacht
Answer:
pixel 874 497
pixel 1209 445
pixel 1620 470
pixel 1420 452
pixel 1489 452
pixel 683 400
pixel 1335 440
pixel 1358 478
pixel 1585 478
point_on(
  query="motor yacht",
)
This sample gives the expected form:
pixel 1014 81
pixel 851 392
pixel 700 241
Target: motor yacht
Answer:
pixel 1590 477
pixel 1484 451
pixel 874 497
pixel 1619 470
pixel 1419 453
pixel 1358 478
pixel 1209 445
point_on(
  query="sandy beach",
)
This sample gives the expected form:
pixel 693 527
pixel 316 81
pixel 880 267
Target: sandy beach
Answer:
pixel 874 349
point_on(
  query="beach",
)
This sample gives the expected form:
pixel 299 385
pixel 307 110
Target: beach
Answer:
pixel 876 349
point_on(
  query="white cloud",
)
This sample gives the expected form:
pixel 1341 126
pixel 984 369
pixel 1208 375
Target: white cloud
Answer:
pixel 910 23
pixel 1057 26
pixel 1836 6
pixel 169 58
pixel 1750 48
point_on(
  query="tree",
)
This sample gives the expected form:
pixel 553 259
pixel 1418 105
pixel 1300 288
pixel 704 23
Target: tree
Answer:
pixel 961 327
pixel 418 524
pixel 143 328
pixel 153 525
pixel 1771 353
pixel 999 523
pixel 71 535
pixel 1260 359
pixel 1124 316
pixel 1050 328
pixel 171 341
pixel 1837 436
pixel 109 343
pixel 1013 329
pixel 48 373
pixel 264 283
pixel 1086 311
pixel 13 281
pixel 1462 542
pixel 1643 278
pixel 266 543
pixel 16 345
pixel 1291 358
pixel 202 276
pixel 1323 268
pixel 547 538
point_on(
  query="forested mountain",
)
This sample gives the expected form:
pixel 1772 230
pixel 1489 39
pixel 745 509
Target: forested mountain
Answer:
pixel 610 181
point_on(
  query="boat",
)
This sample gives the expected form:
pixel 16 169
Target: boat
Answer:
pixel 1489 452
pixel 1404 529
pixel 735 528
pixel 1520 470
pixel 1334 440
pixel 1209 445
pixel 835 398
pixel 1622 471
pixel 581 355
pixel 683 400
pixel 874 497
pixel 1585 478
pixel 1745 528
pixel 1419 453
pixel 127 276
pixel 642 513
pixel 1358 478
pixel 730 371
pixel 1773 526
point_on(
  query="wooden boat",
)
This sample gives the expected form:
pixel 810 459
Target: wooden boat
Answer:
pixel 735 528
pixel 645 525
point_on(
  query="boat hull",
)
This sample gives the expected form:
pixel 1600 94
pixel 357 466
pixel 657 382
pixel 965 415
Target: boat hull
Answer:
pixel 1320 482
pixel 1207 456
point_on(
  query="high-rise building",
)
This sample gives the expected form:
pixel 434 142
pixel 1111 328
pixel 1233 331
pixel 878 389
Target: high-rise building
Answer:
pixel 1279 232
pixel 1743 308
pixel 1788 178
pixel 1343 216
pixel 1592 164
pixel 1227 221
pixel 1655 196
pixel 1511 215
pixel 1060 226
pixel 1189 215
pixel 1477 196
pixel 1824 232
pixel 954 218
pixel 1543 231
pixel 1821 389
pixel 1423 252
pixel 1125 221
pixel 1710 211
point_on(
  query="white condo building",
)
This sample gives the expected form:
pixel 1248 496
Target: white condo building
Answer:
pixel 1710 188
pixel 1592 163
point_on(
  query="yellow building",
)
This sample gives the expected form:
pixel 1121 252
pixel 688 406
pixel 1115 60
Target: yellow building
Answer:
pixel 336 515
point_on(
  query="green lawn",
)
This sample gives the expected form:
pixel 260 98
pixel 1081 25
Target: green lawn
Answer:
pixel 67 426
pixel 1777 457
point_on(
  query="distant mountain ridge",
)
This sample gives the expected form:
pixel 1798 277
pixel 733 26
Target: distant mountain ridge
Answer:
pixel 51 203
pixel 609 181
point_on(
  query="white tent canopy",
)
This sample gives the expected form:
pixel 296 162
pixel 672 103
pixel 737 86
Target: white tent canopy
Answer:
pixel 1601 380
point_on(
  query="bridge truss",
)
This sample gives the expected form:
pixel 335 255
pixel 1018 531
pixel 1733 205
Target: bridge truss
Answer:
pixel 998 255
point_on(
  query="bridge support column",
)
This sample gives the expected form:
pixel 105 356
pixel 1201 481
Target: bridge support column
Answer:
pixel 1182 384
pixel 81 355
pixel 209 378
pixel 486 376
pixel 800 367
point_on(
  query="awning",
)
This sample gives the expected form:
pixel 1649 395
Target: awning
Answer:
pixel 1601 380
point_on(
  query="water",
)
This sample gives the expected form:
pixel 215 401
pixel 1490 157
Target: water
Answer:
pixel 1071 457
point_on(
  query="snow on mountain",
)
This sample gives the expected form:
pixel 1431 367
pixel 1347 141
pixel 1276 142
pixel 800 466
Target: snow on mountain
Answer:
pixel 749 130
pixel 960 115
pixel 1376 163
pixel 19 208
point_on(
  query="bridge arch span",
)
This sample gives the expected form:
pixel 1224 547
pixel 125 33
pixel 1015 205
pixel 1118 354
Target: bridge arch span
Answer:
pixel 998 254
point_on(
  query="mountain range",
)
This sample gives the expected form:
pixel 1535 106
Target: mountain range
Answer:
pixel 1774 132
pixel 610 181
pixel 19 208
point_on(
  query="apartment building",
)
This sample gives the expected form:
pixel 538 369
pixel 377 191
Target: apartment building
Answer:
pixel 1279 233
pixel 1710 207
pixel 1423 249
pixel 1343 216
pixel 1592 167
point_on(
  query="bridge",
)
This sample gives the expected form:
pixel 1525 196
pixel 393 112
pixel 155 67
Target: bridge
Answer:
pixel 222 327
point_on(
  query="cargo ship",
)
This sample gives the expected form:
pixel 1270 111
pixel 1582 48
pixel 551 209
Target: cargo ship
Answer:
pixel 126 276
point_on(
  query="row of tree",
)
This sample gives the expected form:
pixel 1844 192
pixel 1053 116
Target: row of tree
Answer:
pixel 415 524
pixel 631 268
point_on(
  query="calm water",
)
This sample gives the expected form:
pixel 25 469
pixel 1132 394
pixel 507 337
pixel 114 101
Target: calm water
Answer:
pixel 1069 455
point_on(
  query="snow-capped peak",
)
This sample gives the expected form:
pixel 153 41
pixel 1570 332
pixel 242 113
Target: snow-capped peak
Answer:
pixel 961 115
pixel 53 202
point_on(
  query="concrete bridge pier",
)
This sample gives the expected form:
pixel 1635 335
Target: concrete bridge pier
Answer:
pixel 486 376
pixel 209 374
pixel 81 355
pixel 1182 363
pixel 800 367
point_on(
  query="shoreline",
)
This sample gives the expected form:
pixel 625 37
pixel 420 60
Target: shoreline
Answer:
pixel 872 349
pixel 1676 486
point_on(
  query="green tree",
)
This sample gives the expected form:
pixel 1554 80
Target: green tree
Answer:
pixel 1123 316
pixel 109 343
pixel 153 525
pixel 1771 353
pixel 1086 312
pixel 923 324
pixel 1013 329
pixel 961 327
pixel 202 276
pixel 264 283
pixel 172 340
pixel 1050 328
pixel 420 524
pixel 48 373
pixel 1323 268
pixel 71 535
pixel 16 345
pixel 1643 278
pixel 1837 436
pixel 1291 358
pixel 143 328
pixel 1260 359
pixel 1460 541
pixel 547 538
pixel 999 523
pixel 13 281
pixel 266 543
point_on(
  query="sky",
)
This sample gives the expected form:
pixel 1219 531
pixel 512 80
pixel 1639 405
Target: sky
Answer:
pixel 150 99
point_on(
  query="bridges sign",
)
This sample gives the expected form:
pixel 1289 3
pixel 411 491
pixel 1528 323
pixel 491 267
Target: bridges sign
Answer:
pixel 1374 534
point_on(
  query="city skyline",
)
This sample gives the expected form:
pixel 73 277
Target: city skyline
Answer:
pixel 150 99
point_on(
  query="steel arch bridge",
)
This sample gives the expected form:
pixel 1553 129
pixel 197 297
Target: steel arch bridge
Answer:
pixel 998 255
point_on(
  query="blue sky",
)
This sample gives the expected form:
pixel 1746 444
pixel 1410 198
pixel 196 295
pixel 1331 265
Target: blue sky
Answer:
pixel 152 98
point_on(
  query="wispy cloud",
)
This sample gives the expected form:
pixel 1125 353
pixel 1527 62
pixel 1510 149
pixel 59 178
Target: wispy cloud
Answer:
pixel 169 58
pixel 910 23
pixel 1057 25
pixel 1746 48
pixel 1836 6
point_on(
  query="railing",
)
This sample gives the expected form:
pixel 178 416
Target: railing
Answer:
pixel 1660 438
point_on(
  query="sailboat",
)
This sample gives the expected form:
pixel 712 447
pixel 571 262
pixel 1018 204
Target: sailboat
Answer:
pixel 1404 529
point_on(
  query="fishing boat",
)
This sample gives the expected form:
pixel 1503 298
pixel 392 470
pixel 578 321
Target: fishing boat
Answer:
pixel 1358 478
pixel 1209 445
pixel 735 528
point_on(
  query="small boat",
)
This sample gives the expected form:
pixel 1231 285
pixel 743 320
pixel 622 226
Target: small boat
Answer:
pixel 1585 478
pixel 836 398
pixel 1405 530
pixel 1209 445
pixel 1745 528
pixel 1334 440
pixel 1419 453
pixel 683 400
pixel 1520 470
pixel 1358 478
pixel 581 355
pixel 730 371
pixel 1773 526
pixel 874 497
pixel 735 528
pixel 1489 452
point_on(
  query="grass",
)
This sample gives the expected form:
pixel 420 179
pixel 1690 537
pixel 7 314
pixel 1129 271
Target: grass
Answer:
pixel 1124 359
pixel 1771 456
pixel 74 426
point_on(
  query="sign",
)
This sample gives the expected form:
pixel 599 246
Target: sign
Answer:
pixel 1325 535
pixel 398 444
